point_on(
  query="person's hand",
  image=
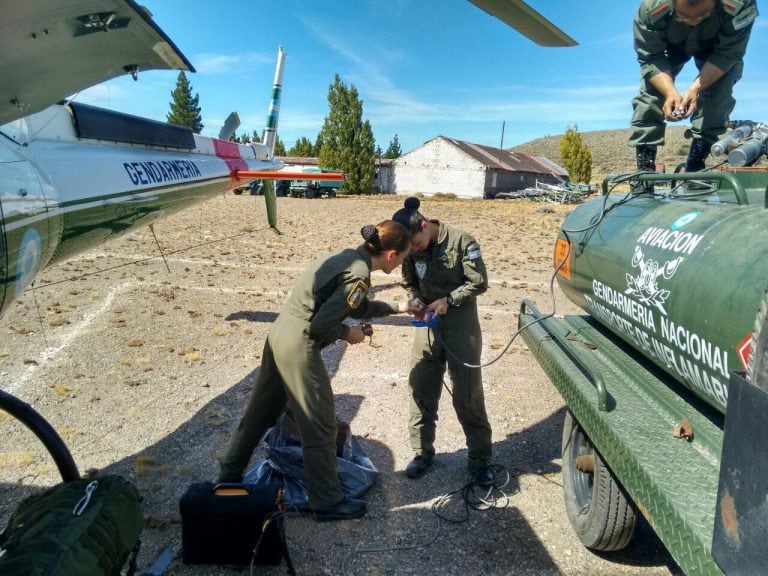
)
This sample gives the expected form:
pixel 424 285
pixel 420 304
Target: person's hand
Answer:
pixel 414 307
pixel 355 335
pixel 673 107
pixel 439 307
pixel 690 100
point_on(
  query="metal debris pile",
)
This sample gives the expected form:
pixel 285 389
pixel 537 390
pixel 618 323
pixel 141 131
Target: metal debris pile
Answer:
pixel 565 193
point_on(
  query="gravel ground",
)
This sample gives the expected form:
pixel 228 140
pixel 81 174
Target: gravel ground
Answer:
pixel 144 372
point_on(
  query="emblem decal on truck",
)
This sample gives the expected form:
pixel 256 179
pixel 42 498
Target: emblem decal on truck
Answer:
pixel 645 285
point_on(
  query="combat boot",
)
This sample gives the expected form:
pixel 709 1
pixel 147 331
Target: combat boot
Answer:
pixel 697 154
pixel 418 466
pixel 347 509
pixel 646 162
pixel 646 158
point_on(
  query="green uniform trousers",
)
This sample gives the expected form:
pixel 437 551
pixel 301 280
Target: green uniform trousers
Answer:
pixel 292 371
pixel 459 332
pixel 708 122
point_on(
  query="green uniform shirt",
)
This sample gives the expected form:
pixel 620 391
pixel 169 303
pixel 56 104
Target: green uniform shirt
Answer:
pixel 721 39
pixel 451 266
pixel 333 288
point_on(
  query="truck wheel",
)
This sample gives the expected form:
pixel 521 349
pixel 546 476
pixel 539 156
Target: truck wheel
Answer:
pixel 331 193
pixel 596 506
pixel 309 193
pixel 757 367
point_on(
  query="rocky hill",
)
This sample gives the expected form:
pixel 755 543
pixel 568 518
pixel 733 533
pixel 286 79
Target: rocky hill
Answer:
pixel 610 153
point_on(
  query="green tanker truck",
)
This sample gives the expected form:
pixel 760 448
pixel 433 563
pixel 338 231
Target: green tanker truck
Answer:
pixel 665 376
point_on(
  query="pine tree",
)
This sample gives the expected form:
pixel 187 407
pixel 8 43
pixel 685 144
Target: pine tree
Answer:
pixel 303 148
pixel 318 145
pixel 394 150
pixel 347 140
pixel 577 159
pixel 279 146
pixel 184 108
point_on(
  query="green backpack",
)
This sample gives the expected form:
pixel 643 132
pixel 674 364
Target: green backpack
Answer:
pixel 86 527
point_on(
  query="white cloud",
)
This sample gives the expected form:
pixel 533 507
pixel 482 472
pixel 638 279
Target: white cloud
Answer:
pixel 228 63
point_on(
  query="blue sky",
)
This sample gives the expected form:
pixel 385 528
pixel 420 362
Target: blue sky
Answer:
pixel 422 68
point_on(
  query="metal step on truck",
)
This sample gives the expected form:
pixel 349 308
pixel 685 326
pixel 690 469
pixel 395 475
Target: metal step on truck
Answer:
pixel 665 376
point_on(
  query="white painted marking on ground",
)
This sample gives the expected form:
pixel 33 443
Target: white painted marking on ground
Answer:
pixel 50 353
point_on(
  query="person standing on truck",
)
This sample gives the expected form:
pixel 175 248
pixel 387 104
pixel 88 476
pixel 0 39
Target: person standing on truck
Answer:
pixel 292 371
pixel 444 274
pixel 667 34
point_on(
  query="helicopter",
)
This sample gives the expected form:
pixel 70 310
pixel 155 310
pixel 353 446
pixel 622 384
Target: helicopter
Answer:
pixel 73 175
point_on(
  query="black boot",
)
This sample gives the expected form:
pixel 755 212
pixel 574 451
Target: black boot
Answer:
pixel 646 158
pixel 697 154
pixel 646 162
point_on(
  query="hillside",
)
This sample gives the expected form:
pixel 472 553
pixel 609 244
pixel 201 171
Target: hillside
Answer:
pixel 610 153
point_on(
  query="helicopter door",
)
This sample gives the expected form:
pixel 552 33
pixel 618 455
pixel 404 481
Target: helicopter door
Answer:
pixel 23 228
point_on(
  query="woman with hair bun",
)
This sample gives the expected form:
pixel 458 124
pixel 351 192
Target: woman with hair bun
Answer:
pixel 445 273
pixel 292 371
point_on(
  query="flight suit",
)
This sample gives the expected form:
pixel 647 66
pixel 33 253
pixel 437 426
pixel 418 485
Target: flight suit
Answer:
pixel 292 370
pixel 663 44
pixel 451 266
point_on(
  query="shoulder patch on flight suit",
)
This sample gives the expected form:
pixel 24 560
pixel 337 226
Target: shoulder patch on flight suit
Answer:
pixel 473 251
pixel 741 18
pixel 357 294
pixel 660 9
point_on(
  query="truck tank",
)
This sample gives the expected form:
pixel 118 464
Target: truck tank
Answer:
pixel 680 281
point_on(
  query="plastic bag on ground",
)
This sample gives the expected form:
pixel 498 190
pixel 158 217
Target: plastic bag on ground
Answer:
pixel 285 463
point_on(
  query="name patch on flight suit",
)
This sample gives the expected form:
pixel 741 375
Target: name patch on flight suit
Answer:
pixel 450 258
pixel 421 269
pixel 357 294
pixel 473 251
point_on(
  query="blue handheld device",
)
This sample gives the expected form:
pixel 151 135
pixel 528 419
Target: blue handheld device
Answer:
pixel 429 320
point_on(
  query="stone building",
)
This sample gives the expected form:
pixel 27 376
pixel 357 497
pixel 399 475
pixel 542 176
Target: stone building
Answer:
pixel 445 165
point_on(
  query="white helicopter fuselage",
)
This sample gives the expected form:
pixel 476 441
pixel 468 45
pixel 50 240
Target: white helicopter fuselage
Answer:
pixel 72 175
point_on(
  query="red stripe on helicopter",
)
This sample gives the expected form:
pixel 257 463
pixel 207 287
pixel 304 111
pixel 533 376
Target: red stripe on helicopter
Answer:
pixel 230 153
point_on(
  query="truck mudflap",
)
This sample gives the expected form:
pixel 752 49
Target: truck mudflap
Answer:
pixel 632 413
pixel 740 542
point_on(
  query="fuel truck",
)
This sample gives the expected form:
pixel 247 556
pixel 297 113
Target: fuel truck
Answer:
pixel 665 376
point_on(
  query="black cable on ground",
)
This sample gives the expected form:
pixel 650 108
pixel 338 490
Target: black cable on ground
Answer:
pixel 472 495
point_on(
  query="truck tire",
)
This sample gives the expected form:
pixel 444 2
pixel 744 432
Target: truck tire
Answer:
pixel 331 193
pixel 599 512
pixel 757 367
pixel 309 193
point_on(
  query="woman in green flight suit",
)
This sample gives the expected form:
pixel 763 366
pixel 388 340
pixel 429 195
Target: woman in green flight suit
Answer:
pixel 445 273
pixel 292 371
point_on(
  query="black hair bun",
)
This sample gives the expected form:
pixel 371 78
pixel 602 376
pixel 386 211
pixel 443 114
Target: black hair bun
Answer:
pixel 412 203
pixel 370 234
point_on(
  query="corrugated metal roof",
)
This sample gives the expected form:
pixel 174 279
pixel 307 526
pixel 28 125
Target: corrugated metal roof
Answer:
pixel 499 159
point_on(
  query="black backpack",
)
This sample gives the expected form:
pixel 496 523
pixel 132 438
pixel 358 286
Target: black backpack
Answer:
pixel 81 527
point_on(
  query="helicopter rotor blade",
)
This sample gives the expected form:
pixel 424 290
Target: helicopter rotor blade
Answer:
pixel 527 21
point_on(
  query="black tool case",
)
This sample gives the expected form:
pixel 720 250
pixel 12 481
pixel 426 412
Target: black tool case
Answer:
pixel 222 524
